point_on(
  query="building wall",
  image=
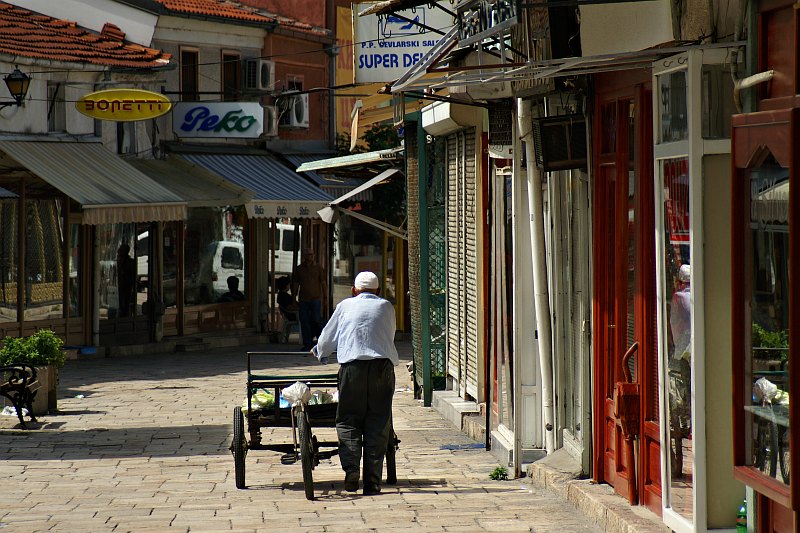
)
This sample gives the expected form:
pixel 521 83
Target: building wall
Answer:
pixel 646 24
pixel 724 492
pixel 307 60
pixel 308 11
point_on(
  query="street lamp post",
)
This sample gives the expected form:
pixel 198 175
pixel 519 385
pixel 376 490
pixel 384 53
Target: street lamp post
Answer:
pixel 17 83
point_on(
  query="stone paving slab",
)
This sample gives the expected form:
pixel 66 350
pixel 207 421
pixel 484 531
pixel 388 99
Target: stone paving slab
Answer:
pixel 140 444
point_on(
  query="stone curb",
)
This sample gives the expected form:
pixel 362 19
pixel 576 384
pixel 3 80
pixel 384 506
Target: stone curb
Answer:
pixel 596 501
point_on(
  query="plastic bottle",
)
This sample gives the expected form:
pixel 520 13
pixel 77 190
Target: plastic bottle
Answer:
pixel 741 518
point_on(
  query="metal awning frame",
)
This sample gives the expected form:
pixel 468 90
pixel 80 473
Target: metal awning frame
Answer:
pixel 542 69
pixel 332 210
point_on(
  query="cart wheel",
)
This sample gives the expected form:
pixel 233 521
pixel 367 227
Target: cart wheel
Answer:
pixel 391 466
pixel 238 446
pixel 306 453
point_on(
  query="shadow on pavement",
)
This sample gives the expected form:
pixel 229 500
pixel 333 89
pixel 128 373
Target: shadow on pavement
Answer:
pixel 98 443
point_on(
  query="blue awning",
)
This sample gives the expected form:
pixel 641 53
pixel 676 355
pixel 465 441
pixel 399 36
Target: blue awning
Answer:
pixel 278 192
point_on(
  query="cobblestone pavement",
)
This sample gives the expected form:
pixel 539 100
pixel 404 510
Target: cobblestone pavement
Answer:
pixel 141 444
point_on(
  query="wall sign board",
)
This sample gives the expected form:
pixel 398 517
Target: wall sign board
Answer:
pixel 387 46
pixel 243 120
pixel 123 105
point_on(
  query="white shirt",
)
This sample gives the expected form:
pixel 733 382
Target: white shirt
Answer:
pixel 362 328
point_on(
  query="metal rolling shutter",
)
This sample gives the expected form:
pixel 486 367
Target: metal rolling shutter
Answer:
pixel 471 255
pixel 454 292
pixel 462 262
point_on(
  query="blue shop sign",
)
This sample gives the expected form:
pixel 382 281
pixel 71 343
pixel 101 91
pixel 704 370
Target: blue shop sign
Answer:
pixel 243 120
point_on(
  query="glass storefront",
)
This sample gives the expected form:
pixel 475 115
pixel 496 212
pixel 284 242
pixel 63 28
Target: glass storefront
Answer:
pixel 214 254
pixel 768 284
pixel 44 269
pixel 676 273
pixel 9 275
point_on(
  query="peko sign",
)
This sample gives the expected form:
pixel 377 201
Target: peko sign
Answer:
pixel 244 120
pixel 123 105
pixel 387 46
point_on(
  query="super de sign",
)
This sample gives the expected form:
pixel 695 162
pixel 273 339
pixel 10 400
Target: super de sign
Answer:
pixel 123 105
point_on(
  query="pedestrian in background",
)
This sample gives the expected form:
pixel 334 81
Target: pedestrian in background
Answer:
pixel 361 332
pixel 309 286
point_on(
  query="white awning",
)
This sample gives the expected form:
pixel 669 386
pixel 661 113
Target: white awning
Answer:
pixel 332 210
pixel 351 160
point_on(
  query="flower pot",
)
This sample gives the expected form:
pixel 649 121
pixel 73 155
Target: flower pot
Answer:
pixel 47 395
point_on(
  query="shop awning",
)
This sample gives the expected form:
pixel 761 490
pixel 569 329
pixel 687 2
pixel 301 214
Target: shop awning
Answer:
pixel 108 189
pixel 195 184
pixel 331 183
pixel 332 210
pixel 365 158
pixel 279 192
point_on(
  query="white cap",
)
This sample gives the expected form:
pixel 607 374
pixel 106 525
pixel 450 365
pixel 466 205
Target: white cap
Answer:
pixel 366 280
pixel 685 273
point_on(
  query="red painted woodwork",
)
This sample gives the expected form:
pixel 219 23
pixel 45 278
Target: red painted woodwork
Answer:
pixel 778 23
pixel 624 280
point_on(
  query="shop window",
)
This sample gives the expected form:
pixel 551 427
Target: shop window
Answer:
pixel 717 101
pixel 190 75
pixel 231 76
pixel 9 275
pixel 673 115
pixel 44 269
pixel 56 108
pixel 170 258
pixel 74 258
pixel 767 357
pixel 214 252
pixel 126 138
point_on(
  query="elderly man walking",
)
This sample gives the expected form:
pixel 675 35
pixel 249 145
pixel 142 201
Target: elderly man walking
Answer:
pixel 361 332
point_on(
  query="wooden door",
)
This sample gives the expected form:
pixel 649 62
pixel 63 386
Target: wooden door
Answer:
pixel 625 290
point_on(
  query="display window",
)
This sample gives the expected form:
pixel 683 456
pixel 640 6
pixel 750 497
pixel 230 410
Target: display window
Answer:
pixel 764 299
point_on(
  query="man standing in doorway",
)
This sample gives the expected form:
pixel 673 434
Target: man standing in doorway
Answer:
pixel 309 286
pixel 361 332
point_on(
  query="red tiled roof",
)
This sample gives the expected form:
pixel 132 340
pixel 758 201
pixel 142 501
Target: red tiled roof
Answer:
pixel 29 34
pixel 236 10
pixel 214 8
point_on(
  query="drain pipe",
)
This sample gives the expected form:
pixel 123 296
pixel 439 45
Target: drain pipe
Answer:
pixel 541 297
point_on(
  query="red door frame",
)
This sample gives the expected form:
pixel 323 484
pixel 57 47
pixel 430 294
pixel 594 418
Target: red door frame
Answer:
pixel 610 281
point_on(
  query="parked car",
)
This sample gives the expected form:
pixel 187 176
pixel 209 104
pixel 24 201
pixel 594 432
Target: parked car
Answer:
pixel 284 249
pixel 221 260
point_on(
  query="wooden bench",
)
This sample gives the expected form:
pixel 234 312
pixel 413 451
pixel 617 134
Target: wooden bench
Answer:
pixel 17 385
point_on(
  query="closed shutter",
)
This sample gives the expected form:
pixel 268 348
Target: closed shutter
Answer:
pixel 471 255
pixel 454 293
pixel 462 266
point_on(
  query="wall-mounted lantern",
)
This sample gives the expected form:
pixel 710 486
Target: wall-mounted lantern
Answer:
pixel 17 83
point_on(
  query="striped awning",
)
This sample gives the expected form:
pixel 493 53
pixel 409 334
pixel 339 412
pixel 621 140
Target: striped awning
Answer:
pixel 108 189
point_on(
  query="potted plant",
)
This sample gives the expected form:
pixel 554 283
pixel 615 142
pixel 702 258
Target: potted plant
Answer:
pixel 45 351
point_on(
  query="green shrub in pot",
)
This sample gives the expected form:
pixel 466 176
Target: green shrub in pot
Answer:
pixel 43 348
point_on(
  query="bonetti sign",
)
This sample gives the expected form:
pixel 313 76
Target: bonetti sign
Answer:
pixel 123 105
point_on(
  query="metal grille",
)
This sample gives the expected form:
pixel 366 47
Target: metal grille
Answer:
pixel 412 188
pixel 437 281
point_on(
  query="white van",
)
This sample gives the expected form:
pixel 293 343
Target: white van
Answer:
pixel 284 249
pixel 221 260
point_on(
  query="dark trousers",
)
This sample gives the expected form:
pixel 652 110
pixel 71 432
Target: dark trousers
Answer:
pixel 310 315
pixel 363 418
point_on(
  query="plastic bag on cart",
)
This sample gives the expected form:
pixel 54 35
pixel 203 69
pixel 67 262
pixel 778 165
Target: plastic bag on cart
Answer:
pixel 764 390
pixel 259 400
pixel 298 392
pixel 319 397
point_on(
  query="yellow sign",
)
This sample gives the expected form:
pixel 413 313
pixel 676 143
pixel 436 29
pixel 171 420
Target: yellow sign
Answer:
pixel 123 105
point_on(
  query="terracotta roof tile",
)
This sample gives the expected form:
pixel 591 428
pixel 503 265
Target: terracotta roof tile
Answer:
pixel 29 34
pixel 215 8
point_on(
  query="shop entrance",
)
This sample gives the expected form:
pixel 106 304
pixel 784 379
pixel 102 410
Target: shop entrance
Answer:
pixel 625 311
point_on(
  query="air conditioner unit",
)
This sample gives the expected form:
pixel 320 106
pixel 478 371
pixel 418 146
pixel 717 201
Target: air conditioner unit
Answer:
pixel 294 110
pixel 560 142
pixel 270 121
pixel 259 74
